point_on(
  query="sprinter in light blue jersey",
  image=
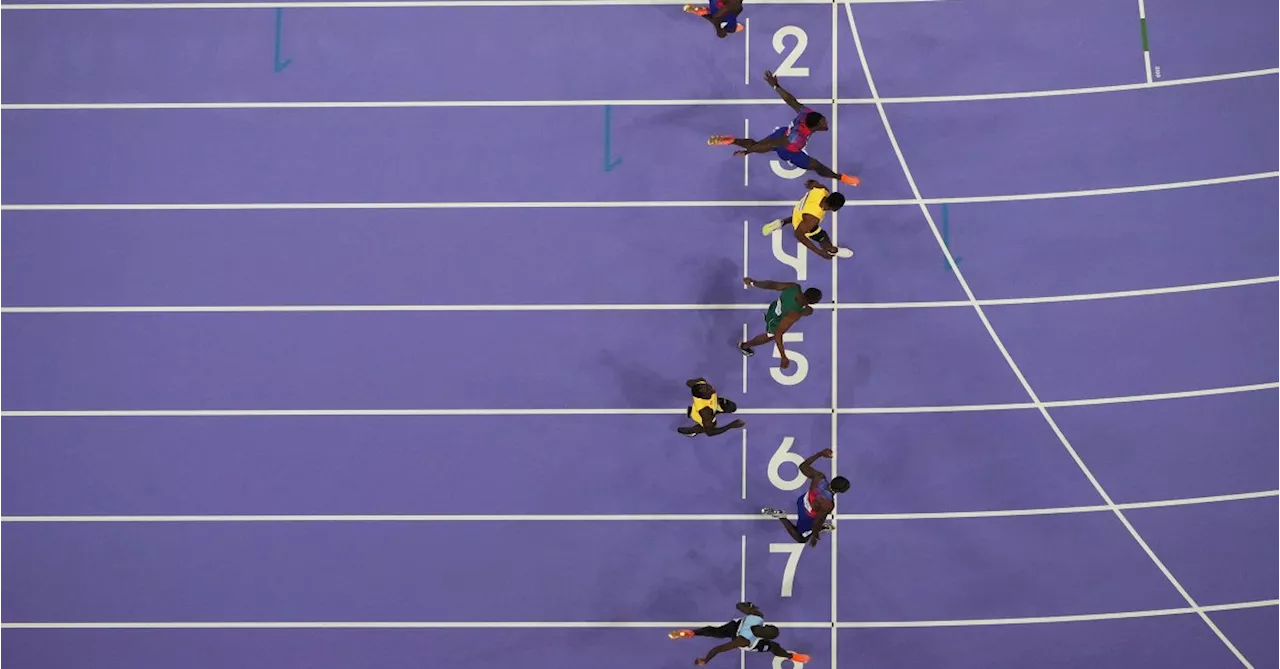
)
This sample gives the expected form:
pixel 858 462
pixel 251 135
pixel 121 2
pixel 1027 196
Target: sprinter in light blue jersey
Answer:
pixel 748 633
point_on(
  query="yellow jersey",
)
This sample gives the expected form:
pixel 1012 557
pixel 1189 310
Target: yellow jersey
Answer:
pixel 810 204
pixel 713 403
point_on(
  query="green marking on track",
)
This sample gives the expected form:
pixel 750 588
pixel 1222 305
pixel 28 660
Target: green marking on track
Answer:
pixel 1144 36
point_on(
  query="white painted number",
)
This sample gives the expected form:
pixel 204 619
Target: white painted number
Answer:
pixel 785 170
pixel 788 68
pixel 793 550
pixel 799 364
pixel 798 262
pixel 777 663
pixel 784 456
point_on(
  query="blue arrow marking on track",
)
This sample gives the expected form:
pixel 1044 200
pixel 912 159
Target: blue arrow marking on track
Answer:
pixel 279 34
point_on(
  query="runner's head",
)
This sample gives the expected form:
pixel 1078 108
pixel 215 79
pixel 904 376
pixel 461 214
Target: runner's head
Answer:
pixel 839 484
pixel 812 296
pixel 833 202
pixel 702 390
pixel 815 121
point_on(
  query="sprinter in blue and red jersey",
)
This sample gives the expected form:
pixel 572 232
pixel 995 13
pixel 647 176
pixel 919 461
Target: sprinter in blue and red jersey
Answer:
pixel 723 14
pixel 815 505
pixel 788 141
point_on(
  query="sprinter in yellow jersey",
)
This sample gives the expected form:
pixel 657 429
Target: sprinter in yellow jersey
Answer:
pixel 706 404
pixel 806 219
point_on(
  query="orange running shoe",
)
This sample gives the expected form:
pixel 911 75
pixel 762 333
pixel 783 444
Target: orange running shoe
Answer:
pixel 800 658
pixel 719 140
pixel 681 634
pixel 694 9
pixel 852 181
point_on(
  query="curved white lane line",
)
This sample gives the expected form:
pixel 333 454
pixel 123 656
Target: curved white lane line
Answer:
pixel 1120 615
pixel 815 411
pixel 780 411
pixel 457 308
pixel 1017 371
pixel 628 204
pixel 615 518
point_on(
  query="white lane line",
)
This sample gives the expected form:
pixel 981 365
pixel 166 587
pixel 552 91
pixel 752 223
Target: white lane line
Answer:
pixel 746 261
pixel 744 361
pixel 1017 371
pixel 815 411
pixel 1146 51
pixel 634 204
pixel 843 306
pixel 835 329
pixel 615 518
pixel 746 58
pixel 744 462
pixel 1120 615
pixel 746 164
pixel 384 4
pixel 673 102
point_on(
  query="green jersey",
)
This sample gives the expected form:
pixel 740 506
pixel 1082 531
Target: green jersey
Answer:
pixel 787 303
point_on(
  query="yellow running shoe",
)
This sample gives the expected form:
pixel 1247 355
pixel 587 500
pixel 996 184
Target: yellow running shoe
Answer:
pixel 771 227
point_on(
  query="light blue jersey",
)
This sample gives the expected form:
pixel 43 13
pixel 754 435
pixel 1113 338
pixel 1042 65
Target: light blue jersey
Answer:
pixel 744 630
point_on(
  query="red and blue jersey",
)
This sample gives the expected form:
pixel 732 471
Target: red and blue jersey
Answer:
pixel 821 491
pixel 797 133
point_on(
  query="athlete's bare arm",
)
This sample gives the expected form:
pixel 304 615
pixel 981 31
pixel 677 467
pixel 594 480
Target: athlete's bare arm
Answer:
pixel 807 224
pixel 815 477
pixel 738 642
pixel 788 98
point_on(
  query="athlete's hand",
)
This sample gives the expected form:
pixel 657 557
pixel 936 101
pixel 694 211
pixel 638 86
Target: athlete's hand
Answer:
pixel 699 662
pixel 812 184
pixel 826 453
pixel 748 281
pixel 770 79
pixel 786 362
pixel 740 152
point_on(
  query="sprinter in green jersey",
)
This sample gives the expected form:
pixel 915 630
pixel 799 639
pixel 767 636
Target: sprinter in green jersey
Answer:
pixel 792 305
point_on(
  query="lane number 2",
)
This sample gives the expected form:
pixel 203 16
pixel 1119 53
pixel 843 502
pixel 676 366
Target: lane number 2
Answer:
pixel 788 67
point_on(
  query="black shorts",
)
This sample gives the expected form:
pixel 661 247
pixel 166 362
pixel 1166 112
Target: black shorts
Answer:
pixel 821 238
pixel 729 630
